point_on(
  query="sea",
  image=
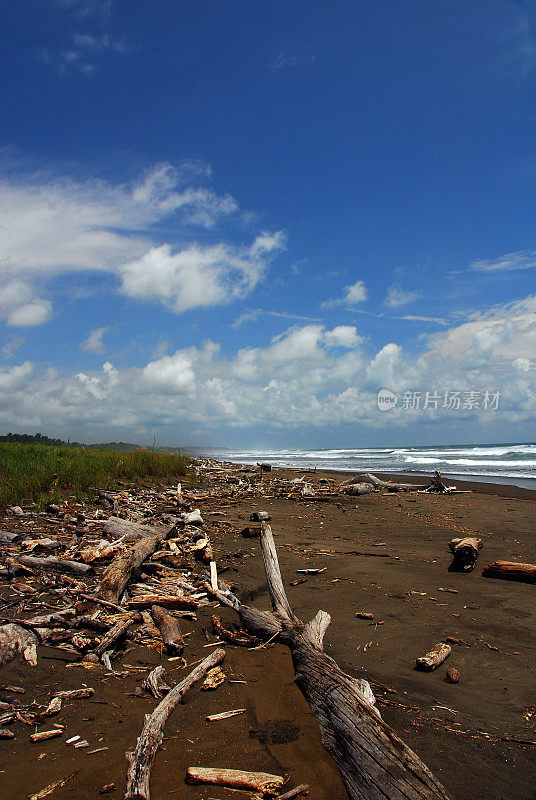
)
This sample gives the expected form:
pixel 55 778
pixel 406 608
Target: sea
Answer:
pixel 495 463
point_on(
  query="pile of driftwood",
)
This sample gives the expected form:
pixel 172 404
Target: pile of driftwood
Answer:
pixel 95 579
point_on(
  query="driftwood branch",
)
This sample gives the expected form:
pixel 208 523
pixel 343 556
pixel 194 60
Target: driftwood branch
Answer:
pixel 119 572
pixel 374 763
pixel 150 739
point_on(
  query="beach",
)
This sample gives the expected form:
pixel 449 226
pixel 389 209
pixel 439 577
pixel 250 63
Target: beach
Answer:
pixel 478 736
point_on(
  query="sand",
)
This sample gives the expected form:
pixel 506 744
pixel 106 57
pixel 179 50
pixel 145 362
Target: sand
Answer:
pixel 463 732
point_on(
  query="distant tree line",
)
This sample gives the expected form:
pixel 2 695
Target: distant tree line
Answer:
pixel 39 438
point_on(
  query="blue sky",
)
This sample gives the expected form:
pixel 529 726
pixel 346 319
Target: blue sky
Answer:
pixel 233 223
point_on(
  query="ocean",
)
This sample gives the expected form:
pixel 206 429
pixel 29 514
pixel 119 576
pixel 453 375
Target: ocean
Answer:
pixel 499 463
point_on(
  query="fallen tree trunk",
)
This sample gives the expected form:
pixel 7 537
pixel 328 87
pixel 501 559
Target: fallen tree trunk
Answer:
pixel 119 572
pixel 150 739
pixel 15 640
pixel 465 552
pixel 374 763
pixel 53 564
pixel 511 571
pixel 169 630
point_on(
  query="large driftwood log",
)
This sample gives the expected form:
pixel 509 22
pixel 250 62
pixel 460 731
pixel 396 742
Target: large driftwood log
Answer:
pixel 511 571
pixel 374 763
pixel 150 739
pixel 15 640
pixel 119 572
pixel 117 527
pixel 380 484
pixel 170 630
pixel 465 552
pixel 358 489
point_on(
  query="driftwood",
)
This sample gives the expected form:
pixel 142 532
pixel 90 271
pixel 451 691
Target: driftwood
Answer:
pixel 301 789
pixel 241 639
pixel 150 739
pixel 43 736
pixel 14 641
pixel 116 633
pixel 117 527
pixel 377 483
pixel 155 682
pixel 358 489
pixel 465 552
pixel 511 571
pixel 53 564
pixel 435 484
pixel 6 537
pixel 169 630
pixel 164 600
pixel 434 658
pixel 374 763
pixel 261 782
pixel 119 572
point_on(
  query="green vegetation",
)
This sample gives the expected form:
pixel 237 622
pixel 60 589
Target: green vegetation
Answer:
pixel 42 472
pixel 39 438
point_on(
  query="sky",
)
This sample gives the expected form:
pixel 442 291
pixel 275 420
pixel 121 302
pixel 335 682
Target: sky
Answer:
pixel 235 223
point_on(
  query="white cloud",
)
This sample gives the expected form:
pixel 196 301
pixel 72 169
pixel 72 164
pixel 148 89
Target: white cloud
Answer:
pixel 353 295
pixel 20 307
pixel 251 315
pixel 523 259
pixel 94 343
pixel 51 226
pixel 419 318
pixel 13 379
pixel 397 296
pixel 522 364
pixel 199 276
pixel 310 375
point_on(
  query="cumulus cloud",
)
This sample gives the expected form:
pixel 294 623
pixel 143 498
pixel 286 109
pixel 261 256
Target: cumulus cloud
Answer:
pixel 310 375
pixel 20 307
pixel 53 226
pixel 199 276
pixel 397 296
pixel 94 343
pixel 352 295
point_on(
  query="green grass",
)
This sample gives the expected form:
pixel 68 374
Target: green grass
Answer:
pixel 42 473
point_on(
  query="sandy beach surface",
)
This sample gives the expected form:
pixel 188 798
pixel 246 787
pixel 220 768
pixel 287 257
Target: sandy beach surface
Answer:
pixel 477 736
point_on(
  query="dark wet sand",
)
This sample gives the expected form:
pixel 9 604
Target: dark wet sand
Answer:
pixel 455 729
